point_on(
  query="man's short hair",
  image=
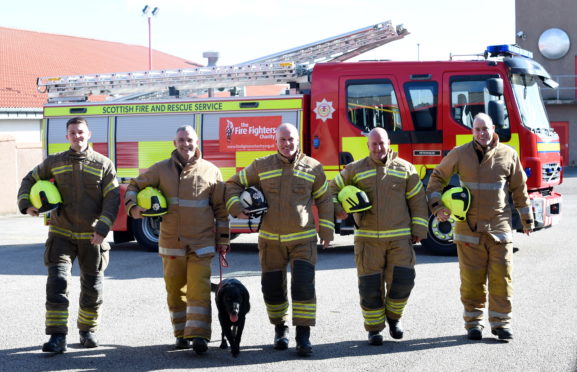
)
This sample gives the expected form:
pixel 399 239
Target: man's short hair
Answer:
pixel 76 120
pixel 184 128
pixel 484 118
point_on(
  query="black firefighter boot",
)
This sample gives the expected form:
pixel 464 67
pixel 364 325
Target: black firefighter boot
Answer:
pixel 88 339
pixel 56 344
pixel 395 328
pixel 304 347
pixel 281 341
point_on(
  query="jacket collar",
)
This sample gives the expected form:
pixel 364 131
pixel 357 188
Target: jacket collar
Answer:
pixel 489 147
pixel 390 157
pixel 298 156
pixel 80 155
pixel 174 156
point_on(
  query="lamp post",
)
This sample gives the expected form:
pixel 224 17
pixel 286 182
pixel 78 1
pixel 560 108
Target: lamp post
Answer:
pixel 145 12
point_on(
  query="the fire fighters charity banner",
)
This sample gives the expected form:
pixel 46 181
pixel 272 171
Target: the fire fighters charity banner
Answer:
pixel 248 133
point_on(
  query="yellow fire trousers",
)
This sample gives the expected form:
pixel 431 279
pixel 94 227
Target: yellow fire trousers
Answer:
pixel 487 264
pixel 380 263
pixel 274 257
pixel 187 281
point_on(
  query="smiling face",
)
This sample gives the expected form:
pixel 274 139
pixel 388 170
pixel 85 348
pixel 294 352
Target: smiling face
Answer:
pixel 483 130
pixel 78 136
pixel 287 140
pixel 378 144
pixel 186 142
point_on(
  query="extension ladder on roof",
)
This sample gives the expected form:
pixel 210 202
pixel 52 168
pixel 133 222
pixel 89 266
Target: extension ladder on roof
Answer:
pixel 292 65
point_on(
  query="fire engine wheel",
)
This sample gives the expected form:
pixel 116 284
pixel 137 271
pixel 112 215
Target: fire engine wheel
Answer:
pixel 440 239
pixel 146 231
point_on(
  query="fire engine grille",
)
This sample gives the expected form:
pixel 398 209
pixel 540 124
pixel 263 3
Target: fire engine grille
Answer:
pixel 551 172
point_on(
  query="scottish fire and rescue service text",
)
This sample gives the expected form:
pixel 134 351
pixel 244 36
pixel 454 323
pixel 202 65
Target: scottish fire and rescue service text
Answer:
pixel 165 107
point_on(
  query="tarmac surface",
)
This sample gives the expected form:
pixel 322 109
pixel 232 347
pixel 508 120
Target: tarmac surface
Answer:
pixel 136 335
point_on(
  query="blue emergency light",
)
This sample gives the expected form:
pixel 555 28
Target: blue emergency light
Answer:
pixel 508 50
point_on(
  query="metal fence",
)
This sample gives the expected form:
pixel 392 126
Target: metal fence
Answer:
pixel 564 92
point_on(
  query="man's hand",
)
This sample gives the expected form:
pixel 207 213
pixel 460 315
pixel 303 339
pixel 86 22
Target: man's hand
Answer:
pixel 415 239
pixel 33 211
pixel 325 243
pixel 341 215
pixel 97 239
pixel 243 215
pixel 223 248
pixel 443 214
pixel 136 212
pixel 527 231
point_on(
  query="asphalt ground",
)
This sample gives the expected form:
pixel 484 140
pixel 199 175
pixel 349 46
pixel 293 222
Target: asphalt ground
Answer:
pixel 135 332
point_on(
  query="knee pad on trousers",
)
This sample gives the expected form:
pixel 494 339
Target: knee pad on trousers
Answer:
pixel 403 283
pixel 57 284
pixel 91 295
pixel 370 291
pixel 303 281
pixel 272 287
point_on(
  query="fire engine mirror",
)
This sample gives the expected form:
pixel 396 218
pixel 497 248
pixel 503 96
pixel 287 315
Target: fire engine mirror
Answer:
pixel 497 112
pixel 495 86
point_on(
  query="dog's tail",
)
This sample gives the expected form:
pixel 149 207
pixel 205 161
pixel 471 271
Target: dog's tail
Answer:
pixel 213 287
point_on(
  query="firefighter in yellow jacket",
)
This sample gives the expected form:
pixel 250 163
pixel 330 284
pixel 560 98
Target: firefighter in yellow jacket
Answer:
pixel 291 183
pixel 489 170
pixel 386 232
pixel 193 230
pixel 90 198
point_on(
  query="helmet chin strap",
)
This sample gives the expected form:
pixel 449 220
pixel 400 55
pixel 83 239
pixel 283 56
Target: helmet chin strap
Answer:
pixel 258 214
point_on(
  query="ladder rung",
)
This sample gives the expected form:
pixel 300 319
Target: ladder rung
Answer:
pixel 284 67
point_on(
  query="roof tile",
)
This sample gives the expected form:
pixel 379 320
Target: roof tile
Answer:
pixel 27 55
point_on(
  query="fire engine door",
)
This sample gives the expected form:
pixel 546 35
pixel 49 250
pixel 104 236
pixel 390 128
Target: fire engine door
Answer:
pixel 371 103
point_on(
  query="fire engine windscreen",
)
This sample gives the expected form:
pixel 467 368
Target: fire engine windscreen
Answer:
pixel 526 90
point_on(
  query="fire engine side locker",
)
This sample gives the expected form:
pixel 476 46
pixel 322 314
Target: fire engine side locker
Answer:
pixel 250 114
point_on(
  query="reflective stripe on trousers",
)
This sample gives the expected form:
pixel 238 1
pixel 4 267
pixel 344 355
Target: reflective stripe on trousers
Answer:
pixel 483 266
pixel 188 277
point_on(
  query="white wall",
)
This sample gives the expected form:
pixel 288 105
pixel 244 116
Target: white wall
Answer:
pixel 22 130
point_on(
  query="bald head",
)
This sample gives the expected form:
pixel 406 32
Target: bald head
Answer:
pixel 378 144
pixel 287 140
pixel 483 129
pixel 380 132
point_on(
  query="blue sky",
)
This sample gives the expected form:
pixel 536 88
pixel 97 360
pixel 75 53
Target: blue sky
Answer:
pixel 242 30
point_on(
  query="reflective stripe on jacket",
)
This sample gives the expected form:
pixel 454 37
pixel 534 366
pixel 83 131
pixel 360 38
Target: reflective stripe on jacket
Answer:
pixel 399 208
pixel 290 188
pixel 89 189
pixel 197 219
pixel 489 181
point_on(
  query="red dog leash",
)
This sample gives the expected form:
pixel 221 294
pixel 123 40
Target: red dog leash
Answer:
pixel 222 263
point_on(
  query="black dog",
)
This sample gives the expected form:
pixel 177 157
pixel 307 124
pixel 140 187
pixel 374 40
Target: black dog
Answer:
pixel 233 303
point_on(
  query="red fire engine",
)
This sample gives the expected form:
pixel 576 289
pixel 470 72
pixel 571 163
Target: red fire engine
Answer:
pixel 426 107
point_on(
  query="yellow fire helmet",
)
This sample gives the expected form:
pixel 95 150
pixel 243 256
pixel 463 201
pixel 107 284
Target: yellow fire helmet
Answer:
pixel 152 201
pixel 354 199
pixel 458 201
pixel 45 197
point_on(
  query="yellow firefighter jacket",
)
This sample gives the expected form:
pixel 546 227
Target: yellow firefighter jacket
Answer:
pixel 289 189
pixel 489 179
pixel 399 207
pixel 89 189
pixel 196 218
